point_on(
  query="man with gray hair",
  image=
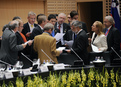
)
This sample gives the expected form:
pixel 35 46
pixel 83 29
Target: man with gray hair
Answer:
pixel 45 43
pixel 113 36
pixel 80 42
pixel 30 25
pixel 9 48
pixel 61 27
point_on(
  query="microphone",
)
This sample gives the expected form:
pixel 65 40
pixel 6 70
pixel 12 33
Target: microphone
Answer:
pixel 6 63
pixel 35 66
pixel 47 55
pixel 82 62
pixel 116 53
pixel 26 57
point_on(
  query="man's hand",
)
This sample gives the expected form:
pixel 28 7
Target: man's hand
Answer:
pixel 24 45
pixel 68 51
pixel 30 42
pixel 28 34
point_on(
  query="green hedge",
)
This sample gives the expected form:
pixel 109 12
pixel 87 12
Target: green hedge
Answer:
pixel 93 78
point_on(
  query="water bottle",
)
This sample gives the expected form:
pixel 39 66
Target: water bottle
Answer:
pixel 44 62
pixel 101 58
pixel 95 58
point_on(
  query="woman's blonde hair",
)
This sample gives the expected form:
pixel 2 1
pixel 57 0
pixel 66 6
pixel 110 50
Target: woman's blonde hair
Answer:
pixel 99 25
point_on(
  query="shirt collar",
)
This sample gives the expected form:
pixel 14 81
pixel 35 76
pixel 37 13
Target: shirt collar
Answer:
pixel 18 31
pixel 79 31
pixel 13 31
pixel 40 26
pixel 30 24
pixel 109 27
pixel 47 33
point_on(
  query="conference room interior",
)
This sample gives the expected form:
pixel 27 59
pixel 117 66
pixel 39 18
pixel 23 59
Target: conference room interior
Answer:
pixel 89 11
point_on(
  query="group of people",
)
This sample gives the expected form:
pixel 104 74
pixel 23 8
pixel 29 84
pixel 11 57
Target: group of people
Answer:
pixel 37 40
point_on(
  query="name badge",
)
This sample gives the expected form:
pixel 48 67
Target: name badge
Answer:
pixel 26 72
pixel 8 75
pixel 58 66
pixel 44 69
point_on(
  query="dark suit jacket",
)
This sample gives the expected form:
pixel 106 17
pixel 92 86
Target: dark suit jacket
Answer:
pixel 80 46
pixel 113 39
pixel 20 40
pixel 36 31
pixel 26 29
pixel 66 27
pixel 9 48
pixel 70 33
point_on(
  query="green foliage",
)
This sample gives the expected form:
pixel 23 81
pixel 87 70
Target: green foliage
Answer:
pixel 93 78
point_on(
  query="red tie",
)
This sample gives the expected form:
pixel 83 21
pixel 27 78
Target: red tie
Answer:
pixel 59 26
pixel 107 31
pixel 24 38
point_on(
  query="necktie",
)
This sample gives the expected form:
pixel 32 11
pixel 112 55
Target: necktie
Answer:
pixel 53 33
pixel 59 26
pixel 106 32
pixel 32 26
pixel 75 36
pixel 24 38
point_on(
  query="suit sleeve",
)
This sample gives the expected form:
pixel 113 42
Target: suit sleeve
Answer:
pixel 13 44
pixel 35 32
pixel 53 48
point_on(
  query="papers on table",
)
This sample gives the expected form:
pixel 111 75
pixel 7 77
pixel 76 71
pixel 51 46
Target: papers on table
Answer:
pixel 60 48
pixel 58 36
pixel 95 49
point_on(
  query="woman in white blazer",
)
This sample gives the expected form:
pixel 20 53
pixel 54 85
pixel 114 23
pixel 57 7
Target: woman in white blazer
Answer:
pixel 98 37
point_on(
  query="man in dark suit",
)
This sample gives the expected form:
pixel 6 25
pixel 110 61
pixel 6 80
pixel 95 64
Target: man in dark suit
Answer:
pixel 74 16
pixel 42 20
pixel 30 25
pixel 62 27
pixel 9 48
pixel 113 36
pixel 80 42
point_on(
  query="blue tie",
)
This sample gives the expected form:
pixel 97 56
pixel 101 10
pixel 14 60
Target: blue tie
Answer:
pixel 106 31
pixel 53 33
pixel 75 36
